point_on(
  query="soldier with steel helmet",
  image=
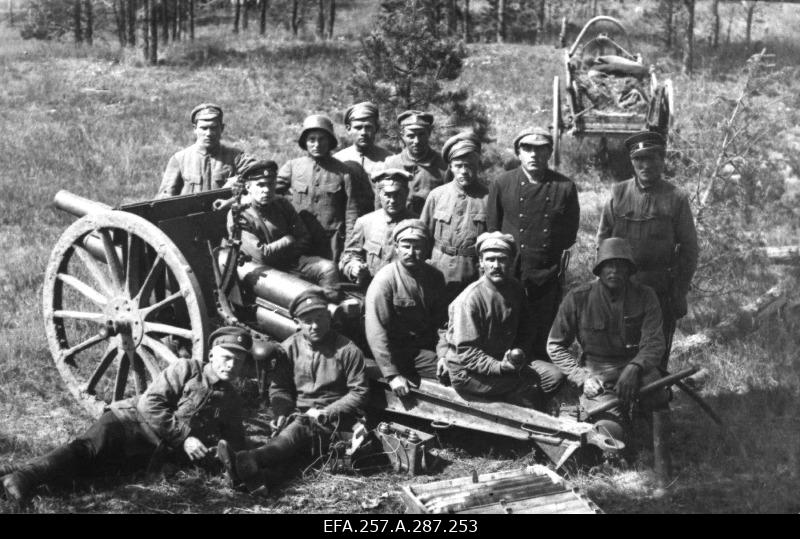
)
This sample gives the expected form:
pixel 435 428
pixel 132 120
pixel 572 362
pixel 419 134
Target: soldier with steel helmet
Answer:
pixel 208 163
pixel 371 247
pixel 456 213
pixel 425 164
pixel 656 218
pixel 321 188
pixel 617 323
pixel 187 409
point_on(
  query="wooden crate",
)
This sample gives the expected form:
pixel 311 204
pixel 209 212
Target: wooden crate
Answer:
pixel 531 490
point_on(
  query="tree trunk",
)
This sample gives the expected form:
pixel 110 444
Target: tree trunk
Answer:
pixel 11 13
pixel 153 33
pixel 320 19
pixel 295 17
pixel 262 29
pixel 164 14
pixel 688 53
pixel 173 18
pixel 540 21
pixel 452 21
pixel 133 8
pixel 331 17
pixel 146 29
pixel 715 24
pixel 670 23
pixel 594 8
pixel 467 22
pixel 245 14
pixel 76 20
pixel 89 33
pixel 191 20
pixel 120 12
pixel 501 21
pixel 236 16
pixel 751 8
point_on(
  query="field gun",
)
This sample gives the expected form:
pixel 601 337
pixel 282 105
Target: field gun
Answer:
pixel 128 290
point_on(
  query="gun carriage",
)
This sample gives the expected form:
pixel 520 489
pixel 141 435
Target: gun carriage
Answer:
pixel 128 290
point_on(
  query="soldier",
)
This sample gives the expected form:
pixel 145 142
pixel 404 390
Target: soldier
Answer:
pixel 487 320
pixel 362 123
pixel 370 246
pixel 405 307
pixel 427 167
pixel 456 214
pixel 539 207
pixel 655 217
pixel 322 188
pixel 189 407
pixel 208 163
pixel 617 323
pixel 273 233
pixel 318 386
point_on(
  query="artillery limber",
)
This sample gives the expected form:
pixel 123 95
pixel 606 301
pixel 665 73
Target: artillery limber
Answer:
pixel 129 290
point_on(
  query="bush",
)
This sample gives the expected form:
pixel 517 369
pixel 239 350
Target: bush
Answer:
pixel 405 63
pixel 46 19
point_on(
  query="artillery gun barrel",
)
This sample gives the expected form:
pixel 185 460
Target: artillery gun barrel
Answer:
pixel 77 205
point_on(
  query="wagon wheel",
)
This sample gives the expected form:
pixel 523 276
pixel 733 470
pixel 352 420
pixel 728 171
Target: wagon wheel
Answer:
pixel 557 123
pixel 130 307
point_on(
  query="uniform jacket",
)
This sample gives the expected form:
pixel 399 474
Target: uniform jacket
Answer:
pixel 543 218
pixel 328 375
pixel 456 218
pixel 323 190
pixel 365 165
pixel 429 173
pixel 274 234
pixel 403 310
pixel 186 399
pixel 611 333
pixel 653 220
pixel 371 241
pixel 485 321
pixel 193 170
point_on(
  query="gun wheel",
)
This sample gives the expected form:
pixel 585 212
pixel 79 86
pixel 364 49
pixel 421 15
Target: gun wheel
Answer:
pixel 120 304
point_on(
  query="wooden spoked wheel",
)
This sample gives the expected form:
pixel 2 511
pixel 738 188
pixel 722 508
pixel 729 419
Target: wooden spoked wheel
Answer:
pixel 557 123
pixel 120 304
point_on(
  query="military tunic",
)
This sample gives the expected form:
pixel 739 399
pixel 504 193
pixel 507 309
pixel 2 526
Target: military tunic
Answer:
pixel 328 375
pixel 429 173
pixel 404 312
pixel 611 332
pixel 193 170
pixel 456 217
pixel 323 193
pixel 370 162
pixel 371 241
pixel 654 220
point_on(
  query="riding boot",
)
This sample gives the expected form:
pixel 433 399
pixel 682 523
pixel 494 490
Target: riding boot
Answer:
pixel 62 462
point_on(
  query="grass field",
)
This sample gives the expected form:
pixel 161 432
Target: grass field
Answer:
pixel 98 123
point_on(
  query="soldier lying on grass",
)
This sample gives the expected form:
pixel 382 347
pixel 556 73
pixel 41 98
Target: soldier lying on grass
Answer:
pixel 189 408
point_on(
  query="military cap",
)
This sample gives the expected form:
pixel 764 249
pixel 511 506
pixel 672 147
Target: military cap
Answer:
pixel 645 142
pixel 310 299
pixel 232 338
pixel 362 111
pixel 411 229
pixel 256 169
pixel 611 249
pixel 496 241
pixel 206 111
pixel 460 144
pixel 538 136
pixel 415 118
pixel 317 121
pixel 390 175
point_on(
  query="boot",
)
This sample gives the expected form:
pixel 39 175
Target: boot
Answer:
pixel 241 466
pixel 61 462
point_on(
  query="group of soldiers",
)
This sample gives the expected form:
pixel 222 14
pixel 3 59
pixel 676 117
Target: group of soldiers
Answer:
pixel 463 281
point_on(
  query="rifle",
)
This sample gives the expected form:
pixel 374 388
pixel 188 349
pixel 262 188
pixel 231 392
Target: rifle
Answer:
pixel 666 381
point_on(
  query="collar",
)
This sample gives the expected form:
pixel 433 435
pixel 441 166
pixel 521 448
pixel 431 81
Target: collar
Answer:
pixel 327 342
pixel 389 219
pixel 606 293
pixel 650 188
pixel 426 161
pixel 202 150
pixel 545 176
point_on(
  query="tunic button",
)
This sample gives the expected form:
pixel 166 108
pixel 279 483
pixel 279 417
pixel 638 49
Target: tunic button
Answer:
pixel 545 230
pixel 522 230
pixel 522 215
pixel 522 246
pixel 547 199
pixel 545 215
